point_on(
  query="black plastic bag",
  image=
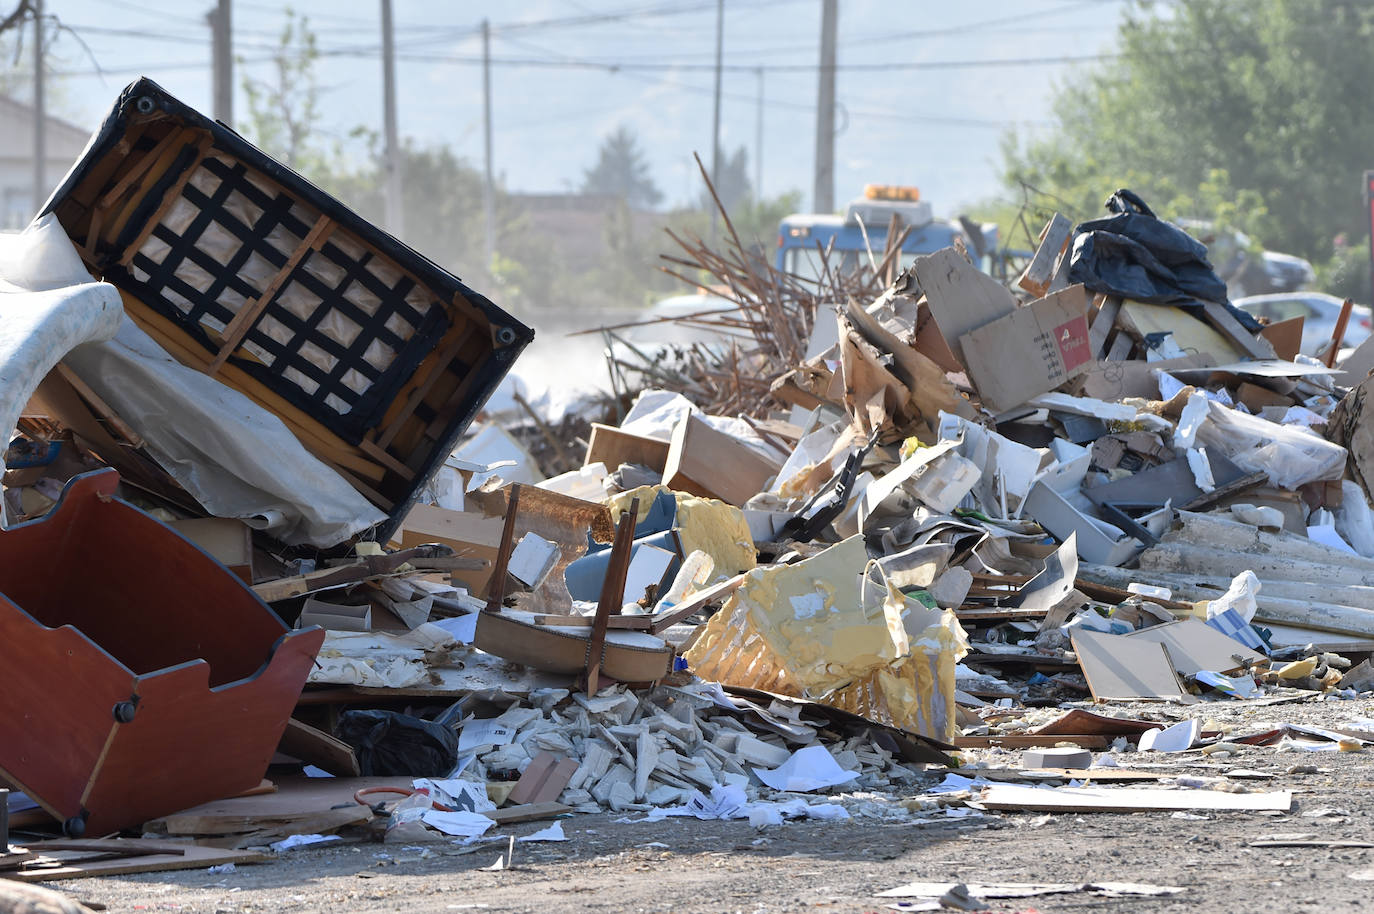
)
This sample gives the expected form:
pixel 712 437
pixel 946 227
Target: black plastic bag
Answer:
pixel 388 743
pixel 1137 256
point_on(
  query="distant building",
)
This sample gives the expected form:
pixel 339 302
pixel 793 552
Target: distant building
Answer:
pixel 64 143
pixel 575 224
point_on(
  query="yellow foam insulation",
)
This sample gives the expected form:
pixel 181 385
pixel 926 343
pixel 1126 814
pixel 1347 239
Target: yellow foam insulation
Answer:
pixel 806 630
pixel 717 529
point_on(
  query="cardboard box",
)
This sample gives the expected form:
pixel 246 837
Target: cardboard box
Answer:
pixel 470 533
pixel 1030 351
pixel 613 447
pixel 712 464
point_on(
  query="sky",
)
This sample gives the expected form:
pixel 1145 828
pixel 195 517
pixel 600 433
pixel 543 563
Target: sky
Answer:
pixel 927 90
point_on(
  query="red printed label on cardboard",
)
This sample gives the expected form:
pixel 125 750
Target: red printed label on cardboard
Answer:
pixel 1072 339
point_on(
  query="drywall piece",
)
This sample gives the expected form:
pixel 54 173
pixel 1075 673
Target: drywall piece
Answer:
pixel 613 446
pixel 1057 757
pixel 1031 351
pixel 1118 667
pixel 648 565
pixel 532 559
pixel 1178 738
pixel 960 296
pixel 1194 645
pixel 704 461
pixel 1127 799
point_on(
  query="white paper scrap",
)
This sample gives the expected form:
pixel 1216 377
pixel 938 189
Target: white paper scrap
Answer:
pixel 553 833
pixel 287 844
pixel 489 732
pixel 1177 738
pixel 461 824
pixel 811 768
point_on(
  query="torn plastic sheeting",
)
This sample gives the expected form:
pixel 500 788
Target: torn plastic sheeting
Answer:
pixel 48 306
pixel 1289 455
pixel 234 457
pixel 806 630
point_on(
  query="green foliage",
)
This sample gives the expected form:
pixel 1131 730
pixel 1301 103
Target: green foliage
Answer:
pixel 1249 114
pixel 1346 273
pixel 621 171
pixel 284 112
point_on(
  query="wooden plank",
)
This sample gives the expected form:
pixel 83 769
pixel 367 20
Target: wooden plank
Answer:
pixel 620 623
pixel 438 365
pixel 712 464
pixel 100 407
pixel 69 864
pixel 612 592
pixel 1127 799
pixel 316 747
pixel 1338 334
pixel 168 200
pixel 1229 327
pixel 1054 238
pixel 248 315
pixel 496 587
pixel 323 823
pixel 1102 324
pixel 1102 775
pixel 527 812
pixel 695 602
pixel 1031 741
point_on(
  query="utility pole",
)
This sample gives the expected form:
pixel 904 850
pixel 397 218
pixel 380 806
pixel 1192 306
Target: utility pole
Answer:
pixel 395 214
pixel 488 189
pixel 715 116
pixel 40 145
pixel 824 195
pixel 222 60
pixel 758 140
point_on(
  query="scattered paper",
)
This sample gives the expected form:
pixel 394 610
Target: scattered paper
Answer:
pixel 287 844
pixel 553 833
pixel 811 768
pixel 1177 738
pixel 460 824
pixel 477 733
pixel 456 794
pixel 1237 686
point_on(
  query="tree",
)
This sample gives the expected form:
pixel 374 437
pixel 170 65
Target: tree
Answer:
pixel 283 112
pixel 1250 113
pixel 621 171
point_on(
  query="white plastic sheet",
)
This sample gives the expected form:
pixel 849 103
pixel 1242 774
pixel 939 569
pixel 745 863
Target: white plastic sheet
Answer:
pixel 48 305
pixel 236 458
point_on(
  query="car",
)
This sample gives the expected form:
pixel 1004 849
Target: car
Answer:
pixel 1319 312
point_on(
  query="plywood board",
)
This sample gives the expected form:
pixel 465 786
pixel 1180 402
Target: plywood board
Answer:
pixel 1031 351
pixel 68 864
pixel 1118 667
pixel 1191 334
pixel 1127 799
pixel 1194 645
pixel 1054 238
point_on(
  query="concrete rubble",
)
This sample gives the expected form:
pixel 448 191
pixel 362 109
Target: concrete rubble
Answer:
pixel 936 525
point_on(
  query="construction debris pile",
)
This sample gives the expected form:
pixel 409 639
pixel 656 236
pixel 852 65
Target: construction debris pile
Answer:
pixel 914 510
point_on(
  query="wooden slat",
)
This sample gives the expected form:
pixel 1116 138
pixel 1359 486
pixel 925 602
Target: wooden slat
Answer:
pixel 169 199
pixel 248 315
pixel 417 396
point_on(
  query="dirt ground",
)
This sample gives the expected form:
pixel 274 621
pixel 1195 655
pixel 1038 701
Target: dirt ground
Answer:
pixel 710 866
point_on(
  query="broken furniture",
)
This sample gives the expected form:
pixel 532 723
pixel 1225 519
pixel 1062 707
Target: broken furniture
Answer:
pixel 142 676
pixel 375 358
